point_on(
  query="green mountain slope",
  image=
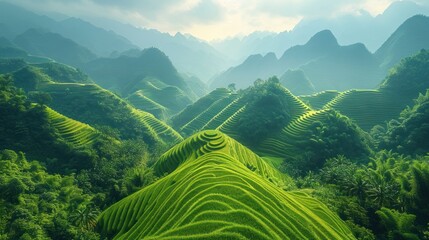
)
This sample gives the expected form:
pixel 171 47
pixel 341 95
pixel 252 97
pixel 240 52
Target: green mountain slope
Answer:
pixel 200 105
pixel 70 130
pixel 319 100
pixel 372 107
pixel 151 72
pixel 218 189
pixel 96 106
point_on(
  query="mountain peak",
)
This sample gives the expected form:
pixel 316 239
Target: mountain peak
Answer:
pixel 323 38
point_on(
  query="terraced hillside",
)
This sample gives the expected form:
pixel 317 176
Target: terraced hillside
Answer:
pixel 93 105
pixel 142 102
pixel 315 136
pixel 368 108
pixel 76 133
pixel 222 110
pixel 166 97
pixel 285 144
pixel 319 100
pixel 196 108
pixel 218 189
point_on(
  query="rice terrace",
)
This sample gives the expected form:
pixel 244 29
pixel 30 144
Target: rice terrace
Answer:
pixel 213 119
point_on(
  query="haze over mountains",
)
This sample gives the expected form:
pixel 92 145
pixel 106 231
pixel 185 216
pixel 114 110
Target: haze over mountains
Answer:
pixel 109 131
pixel 207 59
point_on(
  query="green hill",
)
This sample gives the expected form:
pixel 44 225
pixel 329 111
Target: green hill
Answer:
pixel 63 143
pixel 373 107
pixel 315 136
pixel 319 100
pixel 200 105
pixel 151 72
pixel 96 106
pixel 72 131
pixel 218 189
pixel 408 134
pixel 274 123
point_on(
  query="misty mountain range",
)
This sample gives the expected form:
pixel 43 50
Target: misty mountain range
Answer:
pixel 355 43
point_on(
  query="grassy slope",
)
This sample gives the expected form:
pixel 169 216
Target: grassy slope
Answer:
pixel 76 133
pixel 93 105
pixel 368 108
pixel 218 189
pixel 319 100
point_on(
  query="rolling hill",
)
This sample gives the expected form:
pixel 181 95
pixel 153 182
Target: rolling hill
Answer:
pixel 150 74
pixel 94 105
pixel 274 123
pixel 368 108
pixel 218 189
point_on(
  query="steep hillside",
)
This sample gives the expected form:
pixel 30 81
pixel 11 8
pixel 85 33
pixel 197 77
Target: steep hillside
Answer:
pixel 52 45
pixel 297 82
pixel 274 123
pixel 200 105
pixel 218 189
pixel 404 83
pixel 310 139
pixel 408 135
pixel 408 39
pixel 368 108
pixel 319 100
pixel 96 106
pixel 44 133
pixel 151 72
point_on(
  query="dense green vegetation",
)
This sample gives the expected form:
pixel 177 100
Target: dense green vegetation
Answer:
pixel 37 205
pixel 230 195
pixel 92 104
pixel 111 161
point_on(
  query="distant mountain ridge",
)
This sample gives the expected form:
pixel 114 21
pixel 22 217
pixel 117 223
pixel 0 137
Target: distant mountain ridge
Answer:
pixel 53 45
pixel 409 38
pixel 326 64
pixel 360 27
pixel 16 20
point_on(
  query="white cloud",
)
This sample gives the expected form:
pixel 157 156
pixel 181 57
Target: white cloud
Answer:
pixel 209 19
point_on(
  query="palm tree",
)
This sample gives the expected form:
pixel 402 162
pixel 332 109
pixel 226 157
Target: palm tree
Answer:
pixel 85 217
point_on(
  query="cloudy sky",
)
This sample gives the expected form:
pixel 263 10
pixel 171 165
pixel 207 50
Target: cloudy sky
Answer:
pixel 209 19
